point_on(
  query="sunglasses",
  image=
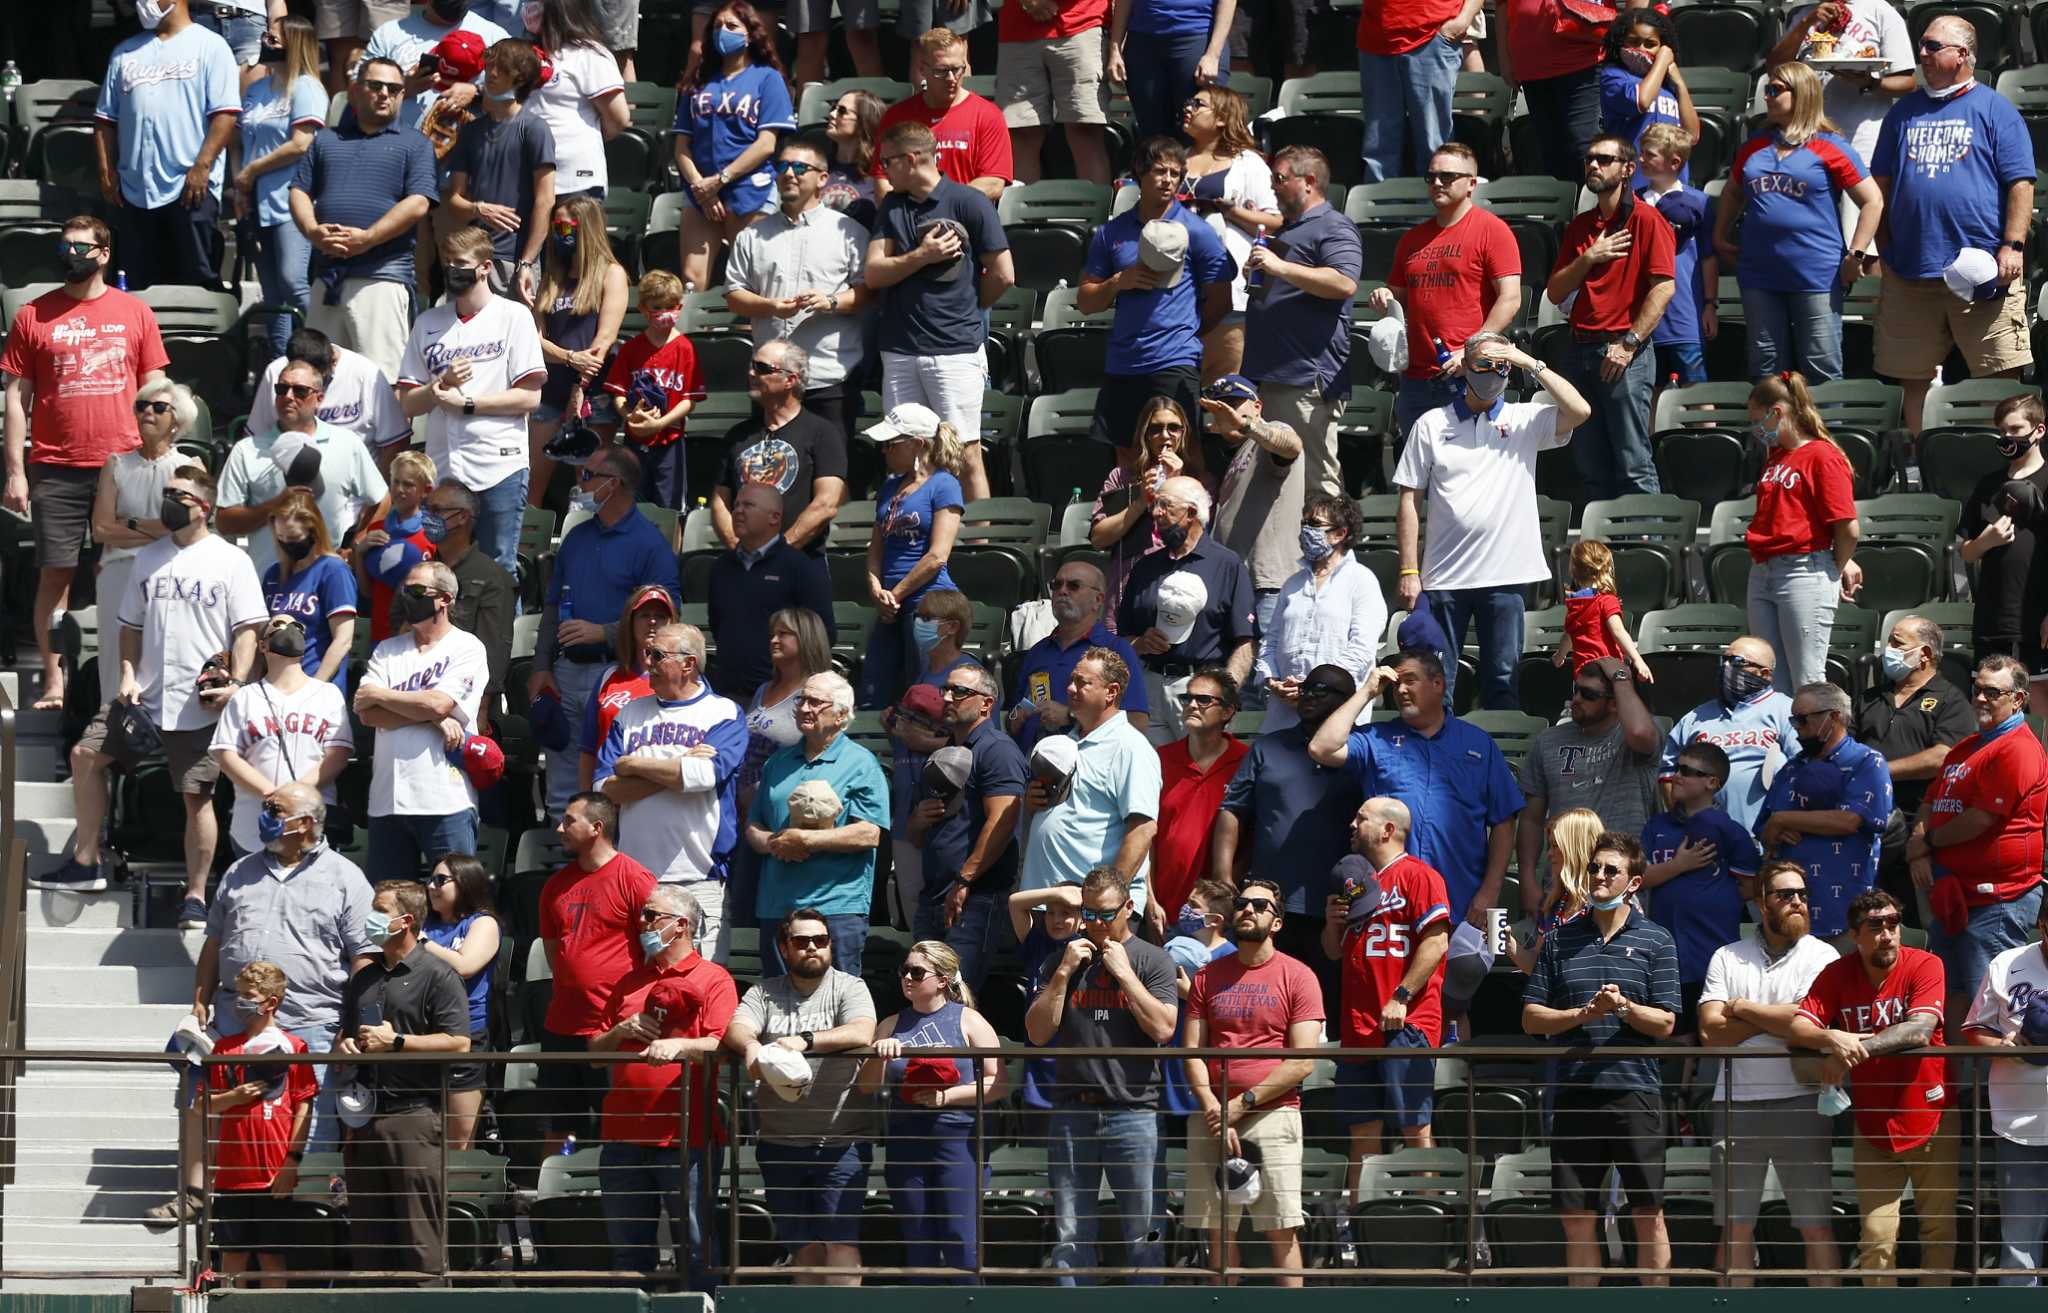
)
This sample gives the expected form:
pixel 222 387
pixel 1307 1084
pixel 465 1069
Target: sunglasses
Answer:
pixel 589 475
pixel 808 941
pixel 914 974
pixel 1933 47
pixel 837 110
pixel 153 407
pixel 1202 701
pixel 1793 895
pixel 1607 868
pixel 1990 693
pixel 1102 917
pixel 1151 429
pixel 296 391
pixel 384 88
pixel 1773 90
pixel 947 70
pixel 649 915
pixel 763 369
pixel 798 167
pixel 1591 693
pixel 421 590
pixel 1261 905
pixel 1321 690
pixel 653 656
pixel 1070 585
pixel 77 248
pixel 1693 772
pixel 1880 924
pixel 955 692
pixel 438 881
pixel 1445 177
pixel 1802 717
pixel 1602 160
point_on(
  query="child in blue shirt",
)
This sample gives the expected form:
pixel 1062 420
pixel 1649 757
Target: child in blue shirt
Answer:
pixel 1640 84
pixel 1702 865
pixel 1681 335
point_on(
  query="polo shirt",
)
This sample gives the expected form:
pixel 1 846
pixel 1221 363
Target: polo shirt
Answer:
pixel 1047 666
pixel 356 178
pixel 1162 328
pixel 1950 163
pixel 1219 627
pixel 790 459
pixel 349 482
pixel 1701 908
pixel 2004 772
pixel 925 315
pixel 421 995
pixel 823 250
pixel 1294 814
pixel 999 771
pixel 161 94
pixel 1791 215
pixel 1850 777
pixel 1756 735
pixel 837 884
pixel 1448 279
pixel 1745 969
pixel 744 592
pixel 597 568
pixel 1607 300
pixel 1477 472
pixel 1116 776
pixel 1575 964
pixel 1189 797
pixel 307 919
pixel 692 999
pixel 1292 336
pixel 1936 712
pixel 1457 786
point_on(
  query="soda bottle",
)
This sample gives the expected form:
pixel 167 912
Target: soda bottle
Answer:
pixel 10 80
pixel 1256 279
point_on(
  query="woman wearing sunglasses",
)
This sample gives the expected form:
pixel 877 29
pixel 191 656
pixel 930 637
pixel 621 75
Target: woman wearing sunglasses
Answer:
pixel 1230 185
pixel 462 930
pixel 124 509
pixel 733 108
pixel 933 1174
pixel 579 306
pixel 1121 521
pixel 283 727
pixel 854 124
pixel 281 112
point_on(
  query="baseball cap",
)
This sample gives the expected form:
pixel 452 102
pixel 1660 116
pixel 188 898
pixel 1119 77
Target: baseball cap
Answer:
pixel 190 1038
pixel 1421 630
pixel 945 776
pixel 298 460
pixel 1188 953
pixel 1163 248
pixel 785 1071
pixel 650 595
pixel 550 723
pixel 1182 597
pixel 354 1103
pixel 928 1074
pixel 951 270
pixel 1241 1184
pixel 575 443
pixel 1353 878
pixel 461 56
pixel 1232 388
pixel 909 420
pixel 1465 967
pixel 814 805
pixel 1387 341
pixel 481 759
pixel 925 702
pixel 1053 762
pixel 392 562
pixel 1973 275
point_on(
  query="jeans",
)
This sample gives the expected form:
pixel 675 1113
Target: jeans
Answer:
pixel 1992 929
pixel 2022 1211
pixel 1612 448
pixel 976 934
pixel 1499 613
pixel 243 32
pixel 934 1183
pixel 282 256
pixel 1407 100
pixel 1417 397
pixel 1084 1146
pixel 1161 68
pixel 1566 111
pixel 849 941
pixel 167 245
pixel 323 1133
pixel 402 847
pixel 497 524
pixel 575 681
pixel 1792 602
pixel 1794 330
pixel 891 663
pixel 637 1181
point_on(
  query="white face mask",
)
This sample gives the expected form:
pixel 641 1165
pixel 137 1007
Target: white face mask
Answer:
pixel 151 14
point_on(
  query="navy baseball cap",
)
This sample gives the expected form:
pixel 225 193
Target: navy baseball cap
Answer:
pixel 1421 630
pixel 550 723
pixel 1232 387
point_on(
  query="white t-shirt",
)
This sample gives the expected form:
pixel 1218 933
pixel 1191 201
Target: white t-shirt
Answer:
pixel 679 834
pixel 1871 23
pixel 188 602
pixel 1479 476
pixel 502 347
pixel 283 736
pixel 1744 970
pixel 359 398
pixel 411 774
pixel 564 103
pixel 349 481
pixel 2019 1089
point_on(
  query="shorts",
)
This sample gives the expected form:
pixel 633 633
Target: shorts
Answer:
pixel 1754 1136
pixel 194 769
pixel 575 1089
pixel 1593 1130
pixel 338 20
pixel 1122 396
pixel 803 17
pixel 815 1190
pixel 242 29
pixel 467 1076
pixel 1397 1090
pixel 1277 1132
pixel 62 499
pixel 1688 360
pixel 1919 319
pixel 620 20
pixel 1993 928
pixel 1689 1007
pixel 251 1222
pixel 1057 80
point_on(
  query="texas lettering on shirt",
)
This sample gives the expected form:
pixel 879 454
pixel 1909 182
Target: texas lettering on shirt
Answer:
pixel 1243 1000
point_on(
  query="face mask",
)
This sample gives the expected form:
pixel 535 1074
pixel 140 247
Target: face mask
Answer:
pixel 651 942
pixel 269 827
pixel 78 268
pixel 664 318
pixel 728 42
pixel 1812 744
pixel 2010 447
pixel 1486 384
pixel 449 11
pixel 461 278
pixel 404 527
pixel 1635 61
pixel 583 500
pixel 529 14
pixel 175 514
pixel 1175 536
pixel 1315 542
pixel 269 54
pixel 1739 684
pixel 1193 922
pixel 925 633
pixel 501 97
pixel 1899 663
pixel 1609 904
pixel 287 641
pixel 379 926
pixel 151 14
pixel 251 1010
pixel 565 246
pixel 433 526
pixel 1766 432
pixel 418 609
pixel 1833 1101
pixel 295 550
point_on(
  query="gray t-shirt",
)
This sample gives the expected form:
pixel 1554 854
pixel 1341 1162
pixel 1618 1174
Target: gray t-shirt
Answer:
pixel 1568 768
pixel 831 1111
pixel 1258 512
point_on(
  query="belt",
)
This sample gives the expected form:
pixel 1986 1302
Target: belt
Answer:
pixel 1172 669
pixel 1594 335
pixel 587 654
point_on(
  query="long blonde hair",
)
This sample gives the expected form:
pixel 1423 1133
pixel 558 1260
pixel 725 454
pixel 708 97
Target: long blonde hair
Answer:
pixel 1808 119
pixel 1143 452
pixel 1574 833
pixel 945 962
pixel 301 51
pixel 944 451
pixel 593 257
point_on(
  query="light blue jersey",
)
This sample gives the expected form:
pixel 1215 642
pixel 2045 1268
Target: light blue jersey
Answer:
pixel 160 95
pixel 1757 736
pixel 406 41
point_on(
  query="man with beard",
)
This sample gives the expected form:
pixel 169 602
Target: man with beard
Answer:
pixel 1258 998
pixel 1039 703
pixel 815 1148
pixel 1863 1012
pixel 1749 720
pixel 1604 760
pixel 1827 809
pixel 1753 989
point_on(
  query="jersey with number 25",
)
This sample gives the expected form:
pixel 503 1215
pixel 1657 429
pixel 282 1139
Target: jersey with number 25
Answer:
pixel 1376 954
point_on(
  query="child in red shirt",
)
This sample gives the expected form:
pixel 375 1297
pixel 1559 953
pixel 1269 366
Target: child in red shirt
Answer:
pixel 260 1117
pixel 657 362
pixel 1592 614
pixel 403 521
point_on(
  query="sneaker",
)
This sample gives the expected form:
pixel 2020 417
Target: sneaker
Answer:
pixel 192 914
pixel 181 1208
pixel 73 876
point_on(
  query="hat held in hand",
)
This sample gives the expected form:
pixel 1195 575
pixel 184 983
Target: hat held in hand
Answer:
pixel 1163 248
pixel 814 806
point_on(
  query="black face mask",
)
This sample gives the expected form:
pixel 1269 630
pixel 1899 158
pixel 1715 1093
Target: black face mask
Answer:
pixel 449 11
pixel 417 608
pixel 2010 447
pixel 1812 744
pixel 174 513
pixel 460 278
pixel 269 54
pixel 78 268
pixel 287 641
pixel 1174 536
pixel 296 551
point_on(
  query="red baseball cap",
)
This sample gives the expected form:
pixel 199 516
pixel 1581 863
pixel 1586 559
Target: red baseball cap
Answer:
pixel 460 55
pixel 482 760
pixel 928 1074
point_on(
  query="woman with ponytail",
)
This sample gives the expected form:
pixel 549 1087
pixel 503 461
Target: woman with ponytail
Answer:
pixel 917 517
pixel 1802 542
pixel 934 1178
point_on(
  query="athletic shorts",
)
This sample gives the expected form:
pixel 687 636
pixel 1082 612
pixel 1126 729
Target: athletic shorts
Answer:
pixel 194 769
pixel 60 501
pixel 1593 1130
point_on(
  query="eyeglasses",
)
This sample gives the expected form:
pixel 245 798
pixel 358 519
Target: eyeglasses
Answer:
pixel 1444 177
pixel 78 248
pixel 1606 868
pixel 384 88
pixel 1929 46
pixel 649 915
pixel 806 700
pixel 947 71
pixel 798 167
pixel 1101 916
pixel 438 881
pixel 1260 905
pixel 1796 894
pixel 1071 585
pixel 763 369
pixel 890 161
pixel 1773 90
pixel 1802 717
pixel 590 474
pixel 914 974
pixel 1591 693
pixel 445 511
pixel 808 941
pixel 1881 923
pixel 1693 772
pixel 1601 160
pixel 1202 701
pixel 955 692
pixel 1990 692
pixel 296 391
pixel 153 407
pixel 653 656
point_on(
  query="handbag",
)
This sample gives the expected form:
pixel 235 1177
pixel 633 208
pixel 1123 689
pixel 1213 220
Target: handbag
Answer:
pixel 1580 22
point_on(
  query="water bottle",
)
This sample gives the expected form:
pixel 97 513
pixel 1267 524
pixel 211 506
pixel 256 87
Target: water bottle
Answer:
pixel 563 611
pixel 10 80
pixel 1443 355
pixel 568 1145
pixel 121 279
pixel 1074 499
pixel 1255 280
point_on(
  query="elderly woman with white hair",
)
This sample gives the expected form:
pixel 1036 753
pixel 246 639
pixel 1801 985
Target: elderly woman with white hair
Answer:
pixel 130 497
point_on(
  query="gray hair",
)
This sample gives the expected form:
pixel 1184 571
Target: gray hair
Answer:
pixel 834 683
pixel 1181 488
pixel 1966 33
pixel 1829 696
pixel 443 577
pixel 977 674
pixel 678 901
pixel 2012 666
pixel 464 498
pixel 184 409
pixel 305 800
pixel 691 637
pixel 795 360
pixel 1480 339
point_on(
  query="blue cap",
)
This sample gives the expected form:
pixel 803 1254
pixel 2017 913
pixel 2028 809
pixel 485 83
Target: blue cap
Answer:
pixel 1421 630
pixel 550 723
pixel 392 562
pixel 1188 953
pixel 1232 387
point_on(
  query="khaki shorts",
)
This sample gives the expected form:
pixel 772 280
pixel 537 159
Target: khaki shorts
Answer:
pixel 1053 81
pixel 1919 319
pixel 334 20
pixel 1277 1132
pixel 194 768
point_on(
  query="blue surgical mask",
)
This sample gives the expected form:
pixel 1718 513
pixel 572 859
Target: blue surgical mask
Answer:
pixel 583 500
pixel 1193 922
pixel 433 526
pixel 502 97
pixel 1833 1101
pixel 728 42
pixel 1898 663
pixel 250 1010
pixel 924 631
pixel 1315 542
pixel 377 925
pixel 1609 904
pixel 269 827
pixel 404 528
pixel 651 942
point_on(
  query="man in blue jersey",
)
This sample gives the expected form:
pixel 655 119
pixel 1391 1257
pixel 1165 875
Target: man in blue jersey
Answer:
pixel 1827 809
pixel 1956 166
pixel 1749 720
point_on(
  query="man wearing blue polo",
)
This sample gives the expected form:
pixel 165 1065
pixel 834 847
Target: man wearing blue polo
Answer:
pixel 1186 606
pixel 1828 807
pixel 602 561
pixel 831 869
pixel 1749 720
pixel 1110 810
pixel 1458 787
pixel 1038 704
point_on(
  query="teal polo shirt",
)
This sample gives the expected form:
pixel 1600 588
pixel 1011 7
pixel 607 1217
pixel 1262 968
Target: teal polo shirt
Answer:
pixel 837 884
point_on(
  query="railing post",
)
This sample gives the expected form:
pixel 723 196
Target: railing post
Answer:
pixel 1726 1140
pixel 732 1179
pixel 981 1160
pixel 440 1067
pixel 1224 1231
pixel 1471 1177
pixel 1977 1094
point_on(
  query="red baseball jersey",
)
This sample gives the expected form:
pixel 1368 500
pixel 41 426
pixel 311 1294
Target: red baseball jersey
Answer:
pixel 1898 1100
pixel 1412 900
pixel 255 1137
pixel 1800 497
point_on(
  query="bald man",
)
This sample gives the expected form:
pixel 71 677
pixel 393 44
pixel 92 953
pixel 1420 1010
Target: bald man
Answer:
pixel 756 577
pixel 1038 700
pixel 1748 720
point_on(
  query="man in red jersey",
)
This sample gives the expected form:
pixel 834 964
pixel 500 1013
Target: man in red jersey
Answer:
pixel 1862 1013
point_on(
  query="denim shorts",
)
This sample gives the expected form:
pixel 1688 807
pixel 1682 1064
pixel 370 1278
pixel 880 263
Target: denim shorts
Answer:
pixel 242 30
pixel 1993 928
pixel 1401 1091
pixel 815 1190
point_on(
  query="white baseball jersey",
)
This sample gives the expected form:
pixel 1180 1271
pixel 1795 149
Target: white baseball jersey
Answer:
pixel 2019 1090
pixel 359 398
pixel 188 602
pixel 686 833
pixel 411 773
pixel 349 481
pixel 283 736
pixel 502 347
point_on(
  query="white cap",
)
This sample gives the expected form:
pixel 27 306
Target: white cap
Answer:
pixel 1182 597
pixel 1054 760
pixel 191 1039
pixel 785 1071
pixel 354 1103
pixel 1163 248
pixel 1241 1184
pixel 1973 275
pixel 909 420
pixel 1387 340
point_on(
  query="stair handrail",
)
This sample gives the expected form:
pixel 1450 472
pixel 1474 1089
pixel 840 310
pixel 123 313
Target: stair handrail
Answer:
pixel 13 945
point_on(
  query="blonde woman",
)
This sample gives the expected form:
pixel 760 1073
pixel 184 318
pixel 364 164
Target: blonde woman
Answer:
pixel 1121 523
pixel 125 509
pixel 1786 186
pixel 578 308
pixel 934 1177
pixel 1572 836
pixel 917 517
pixel 281 111
pixel 1231 186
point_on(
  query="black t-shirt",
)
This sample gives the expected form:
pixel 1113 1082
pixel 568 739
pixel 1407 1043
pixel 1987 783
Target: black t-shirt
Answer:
pixel 1000 771
pixel 788 459
pixel 1938 712
pixel 1099 1016
pixel 422 995
pixel 500 159
pixel 2012 587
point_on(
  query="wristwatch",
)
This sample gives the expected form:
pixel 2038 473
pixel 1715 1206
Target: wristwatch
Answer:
pixel 1250 1100
pixel 1620 676
pixel 469 405
pixel 2020 246
pixel 1632 340
pixel 809 1038
pixel 1401 995
pixel 398 1043
pixel 133 527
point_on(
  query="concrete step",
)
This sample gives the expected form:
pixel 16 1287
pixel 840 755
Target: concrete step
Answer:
pixel 139 1027
pixel 45 835
pixel 104 947
pixel 61 909
pixel 63 1247
pixel 42 799
pixel 109 986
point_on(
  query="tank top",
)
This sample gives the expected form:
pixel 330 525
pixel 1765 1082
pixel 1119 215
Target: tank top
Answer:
pixel 571 332
pixel 139 490
pixel 479 985
pixel 928 1030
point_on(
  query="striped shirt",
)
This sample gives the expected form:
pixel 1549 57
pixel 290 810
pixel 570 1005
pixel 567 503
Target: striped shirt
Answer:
pixel 1575 963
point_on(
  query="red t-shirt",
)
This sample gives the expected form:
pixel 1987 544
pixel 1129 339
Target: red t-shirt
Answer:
pixel 673 364
pixel 84 359
pixel 2006 777
pixel 974 142
pixel 1396 29
pixel 255 1137
pixel 593 919
pixel 382 626
pixel 1800 497
pixel 1899 1099
pixel 1608 298
pixel 1412 899
pixel 1013 24
pixel 1445 278
pixel 645 1103
pixel 1534 50
pixel 1585 623
pixel 1188 802
pixel 1244 1007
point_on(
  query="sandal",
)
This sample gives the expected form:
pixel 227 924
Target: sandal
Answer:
pixel 185 1206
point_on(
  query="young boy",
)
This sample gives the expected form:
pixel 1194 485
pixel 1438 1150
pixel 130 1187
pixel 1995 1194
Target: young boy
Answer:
pixel 502 176
pixel 654 376
pixel 260 1118
pixel 1681 335
pixel 1702 865
pixel 412 478
pixel 1198 937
